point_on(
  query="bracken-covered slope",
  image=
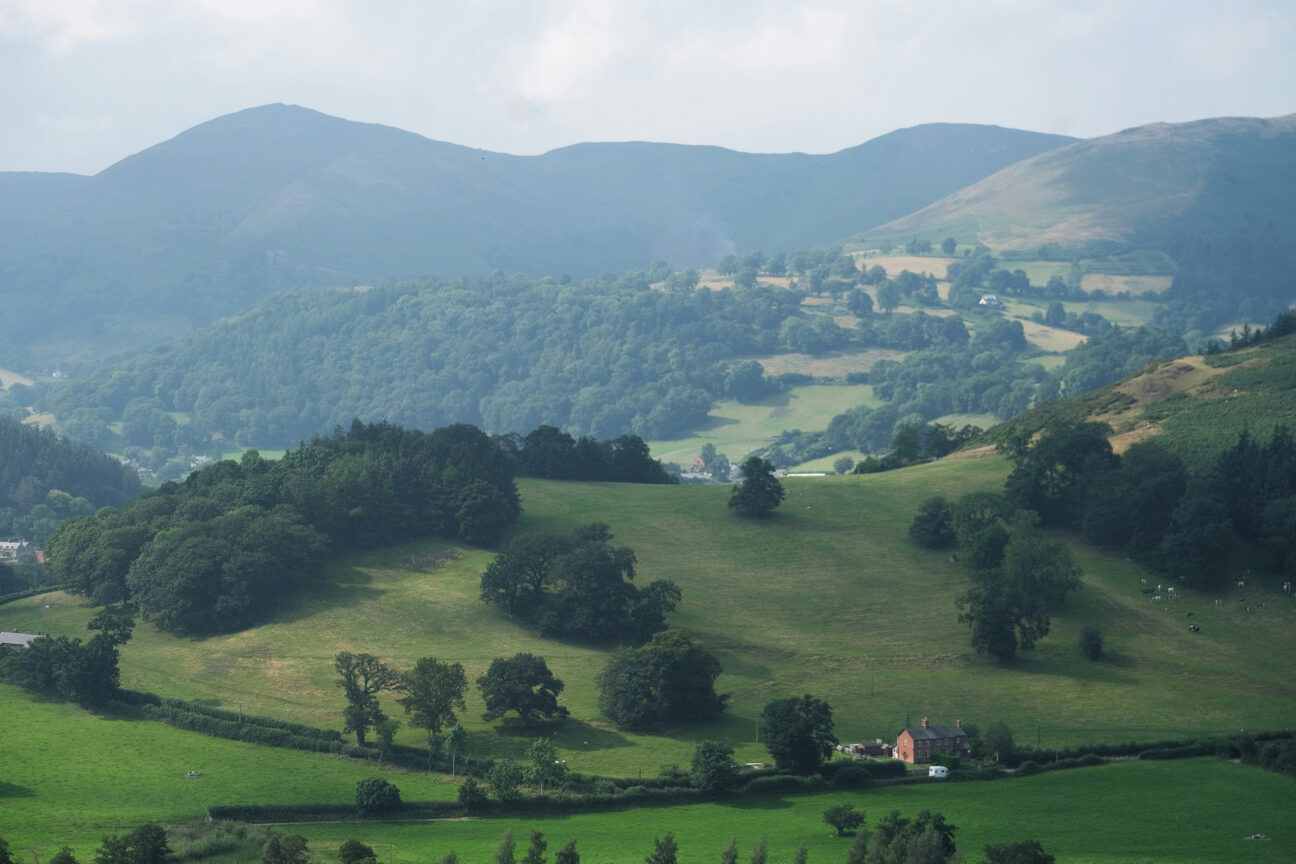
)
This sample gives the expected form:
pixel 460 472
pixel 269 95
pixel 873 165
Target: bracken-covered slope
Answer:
pixel 279 196
pixel 1196 406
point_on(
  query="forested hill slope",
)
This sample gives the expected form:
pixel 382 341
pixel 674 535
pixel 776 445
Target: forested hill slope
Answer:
pixel 45 478
pixel 281 196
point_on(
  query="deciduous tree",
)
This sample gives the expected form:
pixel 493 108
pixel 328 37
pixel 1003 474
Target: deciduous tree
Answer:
pixel 521 683
pixel 760 491
pixel 433 692
pixel 798 732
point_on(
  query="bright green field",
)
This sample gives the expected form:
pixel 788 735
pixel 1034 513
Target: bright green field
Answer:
pixel 68 776
pixel 737 428
pixel 1187 812
pixel 829 597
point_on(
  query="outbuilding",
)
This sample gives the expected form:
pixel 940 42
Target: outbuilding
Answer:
pixel 938 771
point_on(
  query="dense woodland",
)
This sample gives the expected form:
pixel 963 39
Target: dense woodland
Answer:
pixel 46 477
pixel 644 354
pixel 218 552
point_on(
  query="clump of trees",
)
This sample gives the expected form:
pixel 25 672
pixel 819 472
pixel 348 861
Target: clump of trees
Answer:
pixel 85 672
pixel 430 693
pixel 549 453
pixel 1147 504
pixel 219 551
pixel 671 679
pixel 577 586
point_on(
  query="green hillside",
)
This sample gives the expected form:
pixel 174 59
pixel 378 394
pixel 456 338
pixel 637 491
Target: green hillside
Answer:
pixel 1137 187
pixel 1196 406
pixel 828 597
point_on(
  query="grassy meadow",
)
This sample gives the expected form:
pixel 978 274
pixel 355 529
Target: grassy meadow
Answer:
pixel 829 596
pixel 1196 811
pixel 738 428
pixel 69 776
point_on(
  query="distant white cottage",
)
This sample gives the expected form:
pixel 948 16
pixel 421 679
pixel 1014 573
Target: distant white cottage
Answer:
pixel 11 549
pixel 989 300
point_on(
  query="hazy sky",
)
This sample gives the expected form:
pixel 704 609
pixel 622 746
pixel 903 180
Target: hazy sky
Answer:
pixel 84 83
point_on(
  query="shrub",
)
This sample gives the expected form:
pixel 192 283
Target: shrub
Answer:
pixel 376 795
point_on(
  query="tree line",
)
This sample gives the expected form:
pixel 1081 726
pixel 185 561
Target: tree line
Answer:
pixel 218 551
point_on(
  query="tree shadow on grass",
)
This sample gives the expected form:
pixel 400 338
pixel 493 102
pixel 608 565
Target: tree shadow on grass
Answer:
pixel 341 589
pixel 1104 671
pixel 13 790
pixel 755 801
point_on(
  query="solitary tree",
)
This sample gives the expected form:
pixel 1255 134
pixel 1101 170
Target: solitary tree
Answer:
pixel 760 491
pixel 567 854
pixel 504 852
pixel 759 852
pixel 998 740
pixel 544 769
pixel 362 677
pixel 377 795
pixel 522 683
pixel 285 849
pixel 352 851
pixel 503 778
pixel 933 527
pixel 713 766
pixel 799 732
pixel 433 692
pixel 948 245
pixel 730 853
pixel 536 849
pixel 664 850
pixel 843 817
pixel 63 856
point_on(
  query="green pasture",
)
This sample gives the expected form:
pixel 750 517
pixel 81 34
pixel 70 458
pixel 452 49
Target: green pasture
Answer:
pixel 828 596
pixel 1196 811
pixel 738 428
pixel 68 776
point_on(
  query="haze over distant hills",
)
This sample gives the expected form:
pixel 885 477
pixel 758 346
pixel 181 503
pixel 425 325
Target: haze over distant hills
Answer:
pixel 1147 186
pixel 280 196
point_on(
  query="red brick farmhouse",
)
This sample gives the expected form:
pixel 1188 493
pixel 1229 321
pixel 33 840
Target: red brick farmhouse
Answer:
pixel 918 744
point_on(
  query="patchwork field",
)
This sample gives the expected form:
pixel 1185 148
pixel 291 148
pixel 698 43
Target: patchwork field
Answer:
pixel 737 428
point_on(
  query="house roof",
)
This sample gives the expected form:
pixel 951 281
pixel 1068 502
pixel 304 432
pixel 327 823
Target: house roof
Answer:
pixel 18 639
pixel 931 733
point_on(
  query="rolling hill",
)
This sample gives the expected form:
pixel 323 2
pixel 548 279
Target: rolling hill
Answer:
pixel 1144 186
pixel 280 196
pixel 1195 406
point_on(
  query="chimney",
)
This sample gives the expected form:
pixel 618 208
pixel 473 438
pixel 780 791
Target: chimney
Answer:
pixel 924 722
pixel 958 723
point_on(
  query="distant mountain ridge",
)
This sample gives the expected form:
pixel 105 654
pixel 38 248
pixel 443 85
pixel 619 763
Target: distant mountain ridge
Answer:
pixel 278 196
pixel 1148 186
